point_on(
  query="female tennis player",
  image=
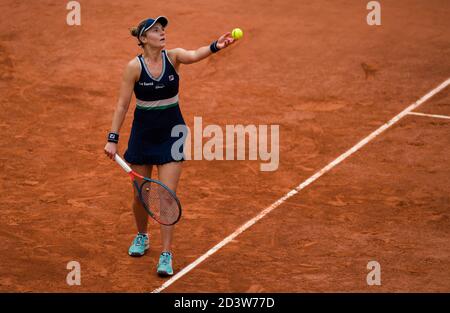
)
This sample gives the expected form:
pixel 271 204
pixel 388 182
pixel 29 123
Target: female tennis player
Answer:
pixel 153 76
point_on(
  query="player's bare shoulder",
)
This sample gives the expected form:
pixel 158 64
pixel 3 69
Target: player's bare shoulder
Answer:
pixel 133 69
pixel 172 54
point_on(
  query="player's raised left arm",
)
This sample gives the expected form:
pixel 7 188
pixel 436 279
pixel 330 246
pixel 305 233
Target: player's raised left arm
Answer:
pixel 191 56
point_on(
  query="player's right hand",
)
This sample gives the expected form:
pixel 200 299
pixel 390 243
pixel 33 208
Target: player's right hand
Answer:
pixel 225 40
pixel 111 149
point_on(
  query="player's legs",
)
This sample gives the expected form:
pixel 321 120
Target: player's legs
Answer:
pixel 141 242
pixel 140 215
pixel 168 174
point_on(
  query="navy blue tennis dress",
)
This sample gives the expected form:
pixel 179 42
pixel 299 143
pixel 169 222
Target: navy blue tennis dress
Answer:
pixel 157 113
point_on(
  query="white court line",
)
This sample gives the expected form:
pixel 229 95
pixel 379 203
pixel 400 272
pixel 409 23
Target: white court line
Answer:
pixel 430 115
pixel 291 193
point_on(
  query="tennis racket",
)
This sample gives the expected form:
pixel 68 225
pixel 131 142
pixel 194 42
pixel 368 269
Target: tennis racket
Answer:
pixel 158 200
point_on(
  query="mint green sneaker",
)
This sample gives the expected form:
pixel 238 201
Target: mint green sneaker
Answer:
pixel 165 264
pixel 139 245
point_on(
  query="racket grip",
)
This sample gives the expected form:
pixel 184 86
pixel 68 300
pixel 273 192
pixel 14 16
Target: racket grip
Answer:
pixel 122 163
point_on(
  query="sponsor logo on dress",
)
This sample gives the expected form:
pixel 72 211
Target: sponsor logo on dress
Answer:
pixel 171 77
pixel 145 84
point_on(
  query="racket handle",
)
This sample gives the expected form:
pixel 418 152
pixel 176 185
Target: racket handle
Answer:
pixel 122 163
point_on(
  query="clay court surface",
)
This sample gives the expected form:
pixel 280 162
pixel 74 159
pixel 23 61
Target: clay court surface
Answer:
pixel 298 66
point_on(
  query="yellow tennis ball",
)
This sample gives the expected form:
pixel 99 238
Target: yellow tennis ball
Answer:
pixel 237 33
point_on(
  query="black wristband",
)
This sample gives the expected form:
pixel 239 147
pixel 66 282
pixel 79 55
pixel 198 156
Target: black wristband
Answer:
pixel 113 137
pixel 213 47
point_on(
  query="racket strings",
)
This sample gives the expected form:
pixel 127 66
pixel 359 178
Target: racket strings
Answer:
pixel 160 202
